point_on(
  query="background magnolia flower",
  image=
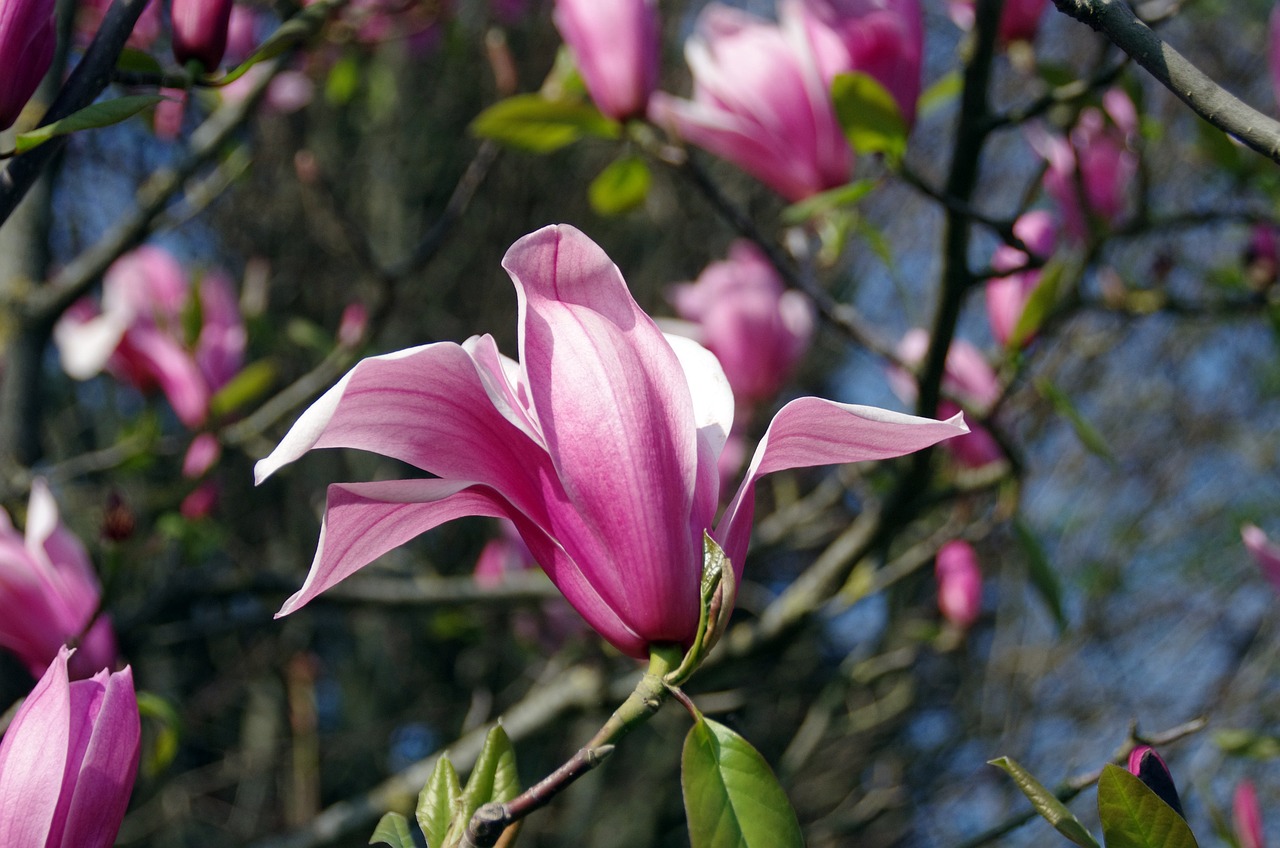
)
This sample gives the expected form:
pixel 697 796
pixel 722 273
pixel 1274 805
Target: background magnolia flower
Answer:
pixel 1246 816
pixel 959 583
pixel 1265 552
pixel 1090 173
pixel 49 592
pixel 200 31
pixel 146 30
pixel 1019 19
pixel 68 761
pixel 27 39
pixel 745 316
pixel 967 376
pixel 1007 296
pixel 616 45
pixel 142 335
pixel 601 445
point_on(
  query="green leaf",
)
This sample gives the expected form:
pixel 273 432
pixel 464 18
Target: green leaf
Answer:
pixel 435 802
pixel 940 94
pixel 531 122
pixel 289 34
pixel 824 202
pixel 1047 804
pixel 136 61
pixel 718 592
pixel 393 830
pixel 91 117
pixel 343 80
pixel 165 742
pixel 620 187
pixel 1247 743
pixel 1135 817
pixel 731 798
pixel 493 778
pixel 1040 571
pixel 1085 432
pixel 1040 305
pixel 253 381
pixel 869 116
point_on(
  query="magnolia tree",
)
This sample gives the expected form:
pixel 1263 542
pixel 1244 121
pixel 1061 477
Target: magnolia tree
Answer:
pixel 831 423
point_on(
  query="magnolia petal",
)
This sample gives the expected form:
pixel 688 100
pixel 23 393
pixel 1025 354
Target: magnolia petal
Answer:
pixel 713 416
pixel 160 358
pixel 84 346
pixel 618 420
pixel 363 521
pixel 33 755
pixel 811 431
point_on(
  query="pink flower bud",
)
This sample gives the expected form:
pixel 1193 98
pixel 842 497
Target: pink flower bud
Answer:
pixel 352 327
pixel 1265 552
pixel 89 16
pixel 1019 19
pixel 201 456
pixel 615 44
pixel 27 39
pixel 1247 816
pixel 959 584
pixel 200 31
pixel 69 759
pixel 1150 768
pixel 49 593
pixel 1007 296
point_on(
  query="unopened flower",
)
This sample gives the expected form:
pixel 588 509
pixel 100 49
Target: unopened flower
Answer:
pixel 200 31
pixel 1150 768
pixel 49 593
pixel 601 445
pixel 746 317
pixel 69 759
pixel 28 35
pixel 1265 552
pixel 615 44
pixel 1007 296
pixel 89 15
pixel 959 583
pixel 144 333
pixel 1246 816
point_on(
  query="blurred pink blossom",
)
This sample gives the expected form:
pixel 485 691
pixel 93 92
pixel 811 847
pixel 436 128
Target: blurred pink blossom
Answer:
pixel 89 14
pixel 1247 816
pixel 1265 552
pixel 1262 256
pixel 959 583
pixel 353 325
pixel 200 31
pixel 1091 172
pixel 1019 19
pixel 615 44
pixel 746 317
pixel 69 760
pixel 507 554
pixel 144 334
pixel 49 592
pixel 1007 296
pixel 27 38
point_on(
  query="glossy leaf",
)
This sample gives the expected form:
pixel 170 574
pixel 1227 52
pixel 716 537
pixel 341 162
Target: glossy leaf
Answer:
pixel 393 830
pixel 1134 817
pixel 869 116
pixel 436 802
pixel 1040 571
pixel 731 798
pixel 531 122
pixel 102 114
pixel 1047 804
pixel 620 187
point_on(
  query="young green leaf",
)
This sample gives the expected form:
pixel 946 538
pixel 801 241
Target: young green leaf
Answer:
pixel 620 187
pixel 1088 435
pixel 939 94
pixel 435 802
pixel 1047 804
pixel 494 776
pixel 253 381
pixel 869 116
pixel 393 830
pixel 1040 571
pixel 1134 817
pixel 102 114
pixel 731 798
pixel 1041 303
pixel 825 201
pixel 717 596
pixel 530 122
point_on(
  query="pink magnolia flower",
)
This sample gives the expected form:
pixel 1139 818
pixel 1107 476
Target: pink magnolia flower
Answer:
pixel 141 334
pixel 967 376
pixel 1150 768
pixel 89 14
pixel 1019 19
pixel 746 317
pixel 1265 552
pixel 600 445
pixel 200 31
pixel 69 759
pixel 1090 173
pixel 49 593
pixel 1007 296
pixel 1247 817
pixel 615 44
pixel 959 583
pixel 28 36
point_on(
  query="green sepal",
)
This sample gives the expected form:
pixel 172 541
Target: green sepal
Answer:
pixel 718 591
pixel 1047 804
pixel 620 187
pixel 436 800
pixel 731 797
pixel 91 117
pixel 533 123
pixel 1135 817
pixel 393 830
pixel 869 116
